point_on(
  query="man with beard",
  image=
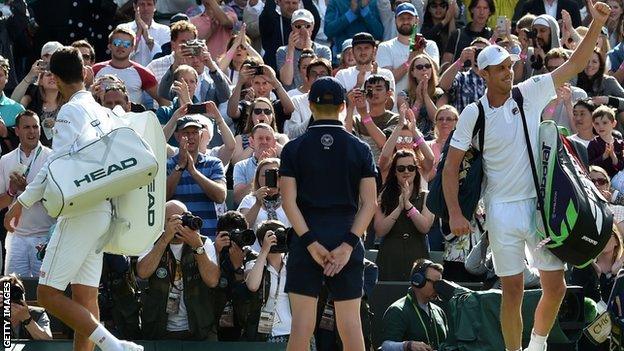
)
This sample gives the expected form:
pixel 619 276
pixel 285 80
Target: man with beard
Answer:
pixel 136 77
pixel 397 54
pixel 546 29
pixel 364 50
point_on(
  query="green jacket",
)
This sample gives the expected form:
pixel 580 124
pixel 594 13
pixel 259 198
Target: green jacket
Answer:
pixel 405 320
pixel 198 298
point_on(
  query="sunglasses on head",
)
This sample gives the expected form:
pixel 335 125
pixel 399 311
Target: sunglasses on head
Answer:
pixel 120 42
pixel 409 168
pixel 600 181
pixel 421 67
pixel 259 111
pixel 405 140
pixel 306 26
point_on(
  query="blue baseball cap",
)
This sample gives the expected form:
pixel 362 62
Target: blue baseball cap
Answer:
pixel 327 91
pixel 405 7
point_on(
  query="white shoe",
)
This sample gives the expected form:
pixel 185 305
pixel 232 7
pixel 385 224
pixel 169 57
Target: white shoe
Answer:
pixel 130 346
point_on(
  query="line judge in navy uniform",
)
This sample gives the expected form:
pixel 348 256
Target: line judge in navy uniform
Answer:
pixel 329 195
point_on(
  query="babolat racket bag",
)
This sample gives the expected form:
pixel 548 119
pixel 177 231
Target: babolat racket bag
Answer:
pixel 578 217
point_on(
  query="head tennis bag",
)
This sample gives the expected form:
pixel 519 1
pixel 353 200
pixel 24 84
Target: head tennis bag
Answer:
pixel 470 175
pixel 112 165
pixel 574 221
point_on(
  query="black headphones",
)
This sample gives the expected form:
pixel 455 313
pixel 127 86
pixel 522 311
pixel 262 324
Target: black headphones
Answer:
pixel 419 277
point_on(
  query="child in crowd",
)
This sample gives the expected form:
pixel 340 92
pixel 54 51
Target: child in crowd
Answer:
pixel 605 150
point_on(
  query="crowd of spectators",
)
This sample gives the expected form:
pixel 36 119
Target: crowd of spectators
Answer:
pixel 229 83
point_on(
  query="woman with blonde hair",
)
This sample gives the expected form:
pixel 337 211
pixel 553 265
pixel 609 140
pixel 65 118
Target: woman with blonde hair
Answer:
pixel 445 121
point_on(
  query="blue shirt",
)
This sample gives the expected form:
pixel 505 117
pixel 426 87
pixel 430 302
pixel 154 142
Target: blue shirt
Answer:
pixel 616 56
pixel 245 170
pixel 328 164
pixel 192 195
pixel 9 110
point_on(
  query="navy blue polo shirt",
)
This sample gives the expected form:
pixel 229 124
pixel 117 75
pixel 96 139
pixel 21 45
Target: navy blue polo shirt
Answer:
pixel 328 164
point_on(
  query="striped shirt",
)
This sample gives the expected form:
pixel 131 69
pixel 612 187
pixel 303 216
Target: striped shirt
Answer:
pixel 467 88
pixel 192 195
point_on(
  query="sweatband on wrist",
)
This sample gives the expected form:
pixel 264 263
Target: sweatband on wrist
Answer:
pixel 9 193
pixel 458 64
pixel 412 212
pixel 289 60
pixel 229 55
pixel 419 141
pixel 551 110
pixel 406 65
pixel 368 119
pixel 523 56
pixel 307 238
pixel 351 239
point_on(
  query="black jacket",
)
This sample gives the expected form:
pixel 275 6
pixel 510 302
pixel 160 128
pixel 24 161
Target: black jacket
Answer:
pixel 275 35
pixel 537 8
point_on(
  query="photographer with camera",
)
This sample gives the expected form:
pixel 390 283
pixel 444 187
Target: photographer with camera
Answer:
pixel 181 269
pixel 543 36
pixel 232 296
pixel 27 322
pixel 269 315
pixel 460 81
pixel 265 202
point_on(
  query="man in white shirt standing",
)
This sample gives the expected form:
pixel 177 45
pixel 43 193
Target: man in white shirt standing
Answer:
pixel 510 194
pixel 18 168
pixel 395 54
pixel 71 256
pixel 364 51
pixel 149 34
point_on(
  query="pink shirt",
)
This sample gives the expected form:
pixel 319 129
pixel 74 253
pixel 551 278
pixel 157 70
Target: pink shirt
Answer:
pixel 437 150
pixel 220 34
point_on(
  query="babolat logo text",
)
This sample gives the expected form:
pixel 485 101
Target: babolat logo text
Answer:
pixel 105 172
pixel 591 241
pixel 545 157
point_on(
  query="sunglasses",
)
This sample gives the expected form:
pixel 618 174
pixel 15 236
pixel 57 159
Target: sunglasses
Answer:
pixel 600 181
pixel 120 42
pixel 421 67
pixel 306 26
pixel 446 119
pixel 405 140
pixel 259 111
pixel 409 168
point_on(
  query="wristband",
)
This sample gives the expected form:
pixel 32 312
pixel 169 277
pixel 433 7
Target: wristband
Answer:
pixel 551 110
pixel 289 60
pixel 419 141
pixel 406 65
pixel 307 238
pixel 412 212
pixel 351 239
pixel 523 56
pixel 368 119
pixel 8 192
pixel 27 321
pixel 458 64
pixel 229 55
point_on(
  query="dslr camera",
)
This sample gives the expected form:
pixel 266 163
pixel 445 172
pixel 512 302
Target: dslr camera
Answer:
pixel 191 221
pixel 281 246
pixel 242 238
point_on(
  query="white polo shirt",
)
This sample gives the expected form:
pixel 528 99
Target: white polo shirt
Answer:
pixel 35 220
pixel 505 159
pixel 348 77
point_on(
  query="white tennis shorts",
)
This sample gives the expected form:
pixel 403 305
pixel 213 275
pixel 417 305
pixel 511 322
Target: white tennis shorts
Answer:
pixel 511 227
pixel 70 256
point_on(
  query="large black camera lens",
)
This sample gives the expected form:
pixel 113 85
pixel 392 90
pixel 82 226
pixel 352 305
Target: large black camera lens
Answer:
pixel 191 221
pixel 281 246
pixel 243 238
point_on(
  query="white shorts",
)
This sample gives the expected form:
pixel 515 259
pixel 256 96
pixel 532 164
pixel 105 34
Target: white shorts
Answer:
pixel 21 254
pixel 511 227
pixel 70 256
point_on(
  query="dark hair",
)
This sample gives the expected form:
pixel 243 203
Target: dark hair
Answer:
pixel 85 44
pixel 230 221
pixel 427 20
pixel 586 83
pixel 267 225
pixel 390 191
pixel 604 111
pixel 135 1
pixel 18 291
pixel 66 63
pixel 377 78
pixel 474 3
pixel 319 62
pixel 419 263
pixel 25 113
pixel 587 103
pixel 305 54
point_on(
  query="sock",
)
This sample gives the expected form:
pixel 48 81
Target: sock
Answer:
pixel 105 340
pixel 537 343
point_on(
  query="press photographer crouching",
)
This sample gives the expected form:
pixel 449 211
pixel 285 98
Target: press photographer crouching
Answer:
pixel 27 322
pixel 233 298
pixel 182 270
pixel 413 322
pixel 269 316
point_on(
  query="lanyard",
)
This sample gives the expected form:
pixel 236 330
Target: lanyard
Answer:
pixel 277 288
pixel 19 159
pixel 409 297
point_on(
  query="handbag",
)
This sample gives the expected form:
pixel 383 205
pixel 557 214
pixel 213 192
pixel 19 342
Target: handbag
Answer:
pixel 470 175
pixel 110 166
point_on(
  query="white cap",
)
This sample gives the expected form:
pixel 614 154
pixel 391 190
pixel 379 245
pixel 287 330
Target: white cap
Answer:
pixel 302 15
pixel 50 47
pixel 494 55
